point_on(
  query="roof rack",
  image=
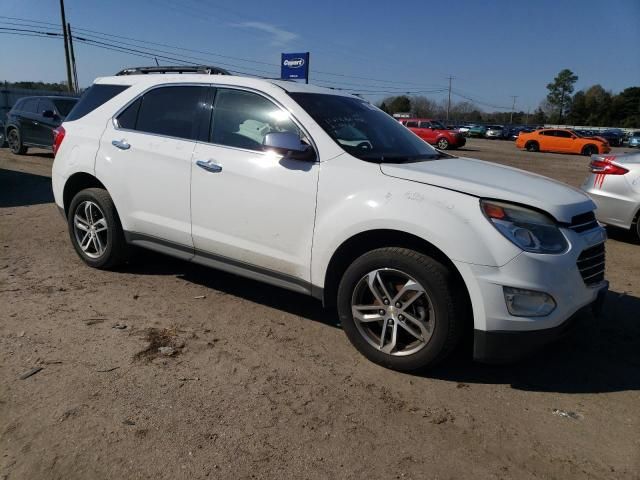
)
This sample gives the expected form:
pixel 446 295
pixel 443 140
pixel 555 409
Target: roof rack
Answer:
pixel 204 69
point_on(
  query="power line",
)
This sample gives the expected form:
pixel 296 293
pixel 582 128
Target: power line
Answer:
pixel 319 72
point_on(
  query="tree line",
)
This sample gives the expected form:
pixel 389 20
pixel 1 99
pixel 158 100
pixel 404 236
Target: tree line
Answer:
pixel 593 106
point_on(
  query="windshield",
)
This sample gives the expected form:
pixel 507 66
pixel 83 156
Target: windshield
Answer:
pixel 576 133
pixel 64 106
pixel 363 130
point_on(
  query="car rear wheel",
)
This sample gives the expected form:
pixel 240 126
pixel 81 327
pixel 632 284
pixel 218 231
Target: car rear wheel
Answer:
pixel 442 144
pixel 398 308
pixel 532 147
pixel 589 150
pixel 95 230
pixel 15 142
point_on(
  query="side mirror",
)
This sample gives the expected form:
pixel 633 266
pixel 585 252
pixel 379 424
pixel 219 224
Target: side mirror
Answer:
pixel 48 114
pixel 287 143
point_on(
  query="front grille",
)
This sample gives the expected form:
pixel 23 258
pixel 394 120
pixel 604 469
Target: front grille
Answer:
pixel 583 222
pixel 591 264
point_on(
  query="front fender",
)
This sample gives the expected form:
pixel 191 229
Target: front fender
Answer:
pixel 355 197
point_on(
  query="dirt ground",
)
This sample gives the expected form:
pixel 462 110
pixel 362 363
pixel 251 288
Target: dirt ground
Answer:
pixel 263 384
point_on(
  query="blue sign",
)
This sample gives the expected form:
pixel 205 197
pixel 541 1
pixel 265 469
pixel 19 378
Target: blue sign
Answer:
pixel 294 66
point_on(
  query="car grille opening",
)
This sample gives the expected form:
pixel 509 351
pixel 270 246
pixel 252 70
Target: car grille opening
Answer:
pixel 583 222
pixel 591 264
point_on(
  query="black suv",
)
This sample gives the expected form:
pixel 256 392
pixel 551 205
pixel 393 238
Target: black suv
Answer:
pixel 31 121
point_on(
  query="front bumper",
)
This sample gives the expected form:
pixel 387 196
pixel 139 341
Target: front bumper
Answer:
pixel 508 346
pixel 556 275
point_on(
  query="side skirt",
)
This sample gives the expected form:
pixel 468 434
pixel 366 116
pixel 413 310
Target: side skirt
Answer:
pixel 225 264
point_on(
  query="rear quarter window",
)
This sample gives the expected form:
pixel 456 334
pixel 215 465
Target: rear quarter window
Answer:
pixel 92 98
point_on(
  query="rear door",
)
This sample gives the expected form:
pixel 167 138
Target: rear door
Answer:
pixel 145 161
pixel 252 209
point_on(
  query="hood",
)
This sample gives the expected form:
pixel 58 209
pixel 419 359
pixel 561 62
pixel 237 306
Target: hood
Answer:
pixel 490 180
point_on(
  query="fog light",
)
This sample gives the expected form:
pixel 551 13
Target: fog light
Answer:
pixel 528 303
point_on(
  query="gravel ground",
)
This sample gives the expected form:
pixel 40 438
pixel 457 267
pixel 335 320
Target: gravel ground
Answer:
pixel 263 384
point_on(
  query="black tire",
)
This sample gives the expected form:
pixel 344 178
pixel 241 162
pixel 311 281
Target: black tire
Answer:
pixel 438 283
pixel 589 150
pixel 532 146
pixel 442 144
pixel 115 251
pixel 15 142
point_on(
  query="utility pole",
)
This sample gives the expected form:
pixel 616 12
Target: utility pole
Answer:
pixel 513 107
pixel 66 46
pixel 76 87
pixel 449 102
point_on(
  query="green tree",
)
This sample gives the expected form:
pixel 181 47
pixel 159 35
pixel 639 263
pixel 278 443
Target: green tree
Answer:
pixel 538 117
pixel 383 107
pixel 560 91
pixel 579 111
pixel 625 108
pixel 400 104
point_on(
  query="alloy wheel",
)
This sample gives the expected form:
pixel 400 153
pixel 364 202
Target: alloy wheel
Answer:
pixel 393 312
pixel 13 140
pixel 90 229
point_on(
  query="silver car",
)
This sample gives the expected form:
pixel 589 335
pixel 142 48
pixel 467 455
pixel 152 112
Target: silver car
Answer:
pixel 494 131
pixel 614 185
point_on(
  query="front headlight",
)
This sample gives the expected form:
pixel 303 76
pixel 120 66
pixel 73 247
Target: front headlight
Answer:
pixel 528 229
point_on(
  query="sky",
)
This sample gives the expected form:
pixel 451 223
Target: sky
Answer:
pixel 494 50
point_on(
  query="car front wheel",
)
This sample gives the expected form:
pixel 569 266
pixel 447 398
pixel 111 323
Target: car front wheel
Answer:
pixel 95 230
pixel 398 308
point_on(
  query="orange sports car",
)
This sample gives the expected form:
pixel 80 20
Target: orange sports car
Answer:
pixel 562 141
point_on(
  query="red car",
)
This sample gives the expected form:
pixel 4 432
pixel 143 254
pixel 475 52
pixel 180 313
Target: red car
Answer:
pixel 434 132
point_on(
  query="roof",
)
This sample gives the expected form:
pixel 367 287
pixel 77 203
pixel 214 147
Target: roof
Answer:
pixel 259 83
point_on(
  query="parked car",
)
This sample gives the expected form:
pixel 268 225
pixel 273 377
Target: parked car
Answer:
pixel 320 192
pixel 511 132
pixel 494 131
pixel 562 141
pixel 464 130
pixel 614 137
pixel 634 140
pixel 477 131
pixel 613 186
pixel 434 133
pixel 3 140
pixel 31 121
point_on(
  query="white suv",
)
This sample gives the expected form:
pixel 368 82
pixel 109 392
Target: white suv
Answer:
pixel 323 193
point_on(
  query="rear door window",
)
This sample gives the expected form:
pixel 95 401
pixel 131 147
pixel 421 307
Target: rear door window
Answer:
pixel 30 105
pixel 92 98
pixel 412 124
pixel 171 111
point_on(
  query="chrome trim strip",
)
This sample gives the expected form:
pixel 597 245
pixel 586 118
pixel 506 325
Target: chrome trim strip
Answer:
pixel 226 264
pixel 114 118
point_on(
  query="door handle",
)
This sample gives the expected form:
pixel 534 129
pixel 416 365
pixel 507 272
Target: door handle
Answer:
pixel 121 144
pixel 209 166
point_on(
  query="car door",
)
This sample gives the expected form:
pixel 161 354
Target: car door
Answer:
pixel 145 163
pixel 252 210
pixel 564 141
pixel 43 128
pixel 428 133
pixel 27 120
